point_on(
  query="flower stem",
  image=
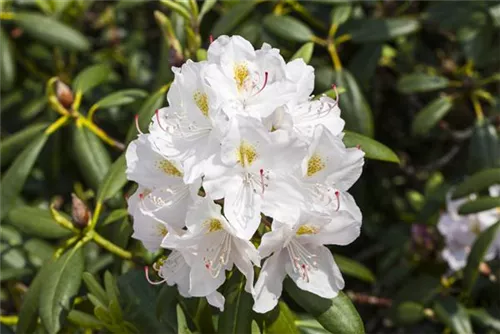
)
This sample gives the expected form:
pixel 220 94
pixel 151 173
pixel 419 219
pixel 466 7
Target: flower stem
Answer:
pixel 108 245
pixel 335 57
pixel 95 217
pixel 9 320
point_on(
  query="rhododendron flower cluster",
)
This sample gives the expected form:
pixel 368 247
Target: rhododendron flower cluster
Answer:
pixel 460 232
pixel 244 156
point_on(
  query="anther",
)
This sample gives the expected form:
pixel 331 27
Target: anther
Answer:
pixel 157 113
pixel 211 38
pixel 337 195
pixel 146 272
pixel 337 96
pixel 266 76
pixel 137 125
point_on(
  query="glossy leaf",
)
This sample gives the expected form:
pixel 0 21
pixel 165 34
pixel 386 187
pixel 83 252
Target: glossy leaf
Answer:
pixel 365 62
pixel 428 117
pixel 237 308
pixel 205 8
pixel 378 30
pixel 95 288
pixel 36 222
pixel 84 320
pixel 453 315
pixel 54 32
pixel 421 82
pixel 121 97
pixel 305 52
pixel 13 180
pixel 61 284
pixel 280 320
pixel 341 13
pixel 484 319
pixel 355 109
pixel 182 327
pixel 409 312
pixel 484 147
pixel 115 216
pixel 12 145
pixel 114 180
pixel 338 315
pixel 476 255
pixel 354 268
pixel 232 18
pixel 33 108
pixel 288 28
pixel 478 205
pixel 477 182
pixel 166 304
pixel 91 77
pixel 7 63
pixel 372 148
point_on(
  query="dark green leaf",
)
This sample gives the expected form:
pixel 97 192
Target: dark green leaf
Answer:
pixel 477 182
pixel 484 147
pixel 91 77
pixel 15 273
pixel 431 114
pixel 90 155
pixel 166 305
pixel 280 320
pixel 484 319
pixel 355 109
pixel 238 307
pixel 379 30
pixel 53 32
pixel 453 315
pixel 7 63
pixel 84 320
pixel 205 8
pixel 310 326
pixel 338 315
pixel 12 145
pixel 476 255
pixel 372 148
pixel 36 222
pixel 95 288
pixel 60 285
pixel 114 180
pixel 121 97
pixel 341 13
pixel 481 204
pixel 421 82
pixel 365 62
pixel 233 17
pixel 182 327
pixel 115 216
pixel 33 108
pixel 495 14
pixel 288 28
pixel 305 52
pixel 15 177
pixel 408 313
pixel 354 268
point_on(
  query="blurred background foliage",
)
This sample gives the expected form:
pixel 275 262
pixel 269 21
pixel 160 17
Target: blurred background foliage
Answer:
pixel 421 77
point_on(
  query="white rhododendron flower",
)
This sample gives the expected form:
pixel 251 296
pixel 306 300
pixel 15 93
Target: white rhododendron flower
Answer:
pixel 460 232
pixel 245 158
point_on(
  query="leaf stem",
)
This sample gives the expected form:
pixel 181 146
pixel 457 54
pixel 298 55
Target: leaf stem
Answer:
pixel 100 133
pixel 61 121
pixel 54 102
pixel 68 243
pixel 342 39
pixel 319 41
pixel 95 216
pixel 61 220
pixel 335 57
pixel 477 107
pixel 9 320
pixel 7 16
pixel 108 245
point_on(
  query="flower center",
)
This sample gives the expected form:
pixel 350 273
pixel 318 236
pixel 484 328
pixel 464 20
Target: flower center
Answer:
pixel 241 73
pixel 201 100
pixel 302 260
pixel 217 256
pixel 162 229
pixel 213 225
pixel 306 229
pixel 168 168
pixel 246 154
pixel 315 164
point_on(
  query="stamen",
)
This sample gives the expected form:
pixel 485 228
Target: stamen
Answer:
pixel 211 38
pixel 137 125
pixel 337 96
pixel 358 147
pixel 146 272
pixel 337 195
pixel 262 180
pixel 266 76
pixel 157 113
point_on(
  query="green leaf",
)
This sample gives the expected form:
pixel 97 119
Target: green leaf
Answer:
pixel 453 315
pixel 365 62
pixel 60 285
pixel 431 114
pixel 421 82
pixel 372 148
pixel 182 327
pixel 338 315
pixel 91 77
pixel 288 28
pixel 114 216
pixel 280 320
pixel 305 52
pixel 483 203
pixel 7 63
pixel 476 256
pixel 178 8
pixel 354 268
pixel 341 13
pixel 233 17
pixel 95 288
pixel 355 109
pixel 120 98
pixel 36 222
pixel 33 108
pixel 477 182
pixel 409 313
pixel 147 110
pixel 90 155
pixel 484 147
pixel 29 309
pixel 10 147
pixel 310 326
pixel 84 320
pixel 205 8
pixel 495 14
pixel 13 180
pixel 238 307
pixel 379 30
pixel 114 180
pixel 54 32
pixel 484 319
pixel 166 305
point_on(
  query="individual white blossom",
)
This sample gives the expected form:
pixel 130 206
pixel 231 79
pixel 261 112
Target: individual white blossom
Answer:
pixel 460 231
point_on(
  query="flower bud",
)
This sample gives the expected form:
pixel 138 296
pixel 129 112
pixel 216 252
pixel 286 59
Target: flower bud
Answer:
pixel 79 212
pixel 64 94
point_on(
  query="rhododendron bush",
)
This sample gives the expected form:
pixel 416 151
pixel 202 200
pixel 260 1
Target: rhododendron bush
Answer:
pixel 250 167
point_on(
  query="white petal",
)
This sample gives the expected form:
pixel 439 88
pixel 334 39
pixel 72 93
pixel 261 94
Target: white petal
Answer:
pixel 202 283
pixel 242 253
pixel 274 240
pixel 270 283
pixel 216 299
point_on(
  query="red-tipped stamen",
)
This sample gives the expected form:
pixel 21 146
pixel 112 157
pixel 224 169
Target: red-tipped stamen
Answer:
pixel 266 76
pixel 337 195
pixel 211 38
pixel 337 96
pixel 157 113
pixel 137 125
pixel 146 272
pixel 262 180
pixel 358 147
